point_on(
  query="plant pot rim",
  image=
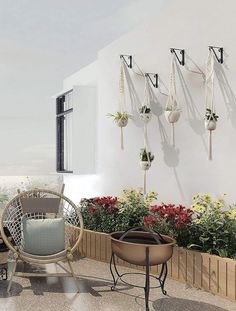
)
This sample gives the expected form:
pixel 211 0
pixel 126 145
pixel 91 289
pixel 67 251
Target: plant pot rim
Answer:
pixel 172 240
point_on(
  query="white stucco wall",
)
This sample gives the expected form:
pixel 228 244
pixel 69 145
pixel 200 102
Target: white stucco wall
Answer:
pixel 176 174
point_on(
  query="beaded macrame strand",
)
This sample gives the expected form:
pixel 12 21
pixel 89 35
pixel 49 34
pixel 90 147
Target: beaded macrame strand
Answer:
pixel 210 95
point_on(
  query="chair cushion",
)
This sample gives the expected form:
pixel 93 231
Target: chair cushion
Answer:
pixel 43 236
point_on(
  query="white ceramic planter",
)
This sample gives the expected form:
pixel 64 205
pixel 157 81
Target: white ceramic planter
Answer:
pixel 145 117
pixel 210 125
pixel 122 122
pixel 172 116
pixel 145 165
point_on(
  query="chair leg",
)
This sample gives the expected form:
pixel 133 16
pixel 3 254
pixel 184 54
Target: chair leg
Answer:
pixel 73 275
pixel 12 274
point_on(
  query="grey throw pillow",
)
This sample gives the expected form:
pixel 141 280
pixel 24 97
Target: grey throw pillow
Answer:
pixel 43 236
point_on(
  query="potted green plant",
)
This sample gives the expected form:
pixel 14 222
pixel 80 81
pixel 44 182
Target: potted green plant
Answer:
pixel 210 119
pixel 145 113
pixel 146 158
pixel 121 118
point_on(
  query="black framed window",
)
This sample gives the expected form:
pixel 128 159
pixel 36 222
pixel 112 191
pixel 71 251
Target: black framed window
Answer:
pixel 64 112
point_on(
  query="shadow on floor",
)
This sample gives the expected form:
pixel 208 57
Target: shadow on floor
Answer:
pixel 16 289
pixel 177 304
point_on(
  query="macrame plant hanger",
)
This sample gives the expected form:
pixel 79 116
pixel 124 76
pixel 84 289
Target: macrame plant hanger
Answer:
pixel 172 111
pixel 146 118
pixel 210 98
pixel 122 100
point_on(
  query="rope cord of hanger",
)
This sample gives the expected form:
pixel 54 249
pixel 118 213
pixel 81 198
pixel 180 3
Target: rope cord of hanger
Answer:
pixel 142 74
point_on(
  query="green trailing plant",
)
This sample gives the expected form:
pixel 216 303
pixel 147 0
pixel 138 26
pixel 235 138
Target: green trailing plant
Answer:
pixel 145 109
pixel 211 116
pixel 146 155
pixel 118 116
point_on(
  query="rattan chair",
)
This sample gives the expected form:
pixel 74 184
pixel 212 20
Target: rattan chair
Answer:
pixel 41 204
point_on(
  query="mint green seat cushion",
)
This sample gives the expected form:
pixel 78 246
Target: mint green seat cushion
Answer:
pixel 43 236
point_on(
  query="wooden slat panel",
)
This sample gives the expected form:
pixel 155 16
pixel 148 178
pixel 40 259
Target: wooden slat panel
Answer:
pixel 103 248
pixel 190 267
pixel 169 267
pixel 93 245
pixel 175 264
pixel 88 244
pixel 222 277
pixel 108 248
pixel 198 269
pixel 214 274
pixel 84 244
pixel 205 272
pixel 183 265
pixel 98 246
pixel 231 287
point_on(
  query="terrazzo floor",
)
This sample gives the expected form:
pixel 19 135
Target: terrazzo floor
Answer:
pixel 59 294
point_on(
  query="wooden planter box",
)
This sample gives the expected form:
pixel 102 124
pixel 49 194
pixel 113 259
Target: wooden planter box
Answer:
pixel 208 272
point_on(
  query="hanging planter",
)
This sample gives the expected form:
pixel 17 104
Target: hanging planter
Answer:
pixel 146 158
pixel 145 113
pixel 210 116
pixel 121 117
pixel 172 111
pixel 172 116
pixel 210 120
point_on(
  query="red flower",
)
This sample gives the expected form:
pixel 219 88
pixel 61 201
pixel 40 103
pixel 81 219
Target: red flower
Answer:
pixel 178 216
pixel 91 208
pixel 149 221
pixel 108 203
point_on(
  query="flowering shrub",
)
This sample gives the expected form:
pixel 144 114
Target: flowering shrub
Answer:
pixel 108 214
pixel 209 225
pixel 171 220
pixel 214 226
pixel 100 214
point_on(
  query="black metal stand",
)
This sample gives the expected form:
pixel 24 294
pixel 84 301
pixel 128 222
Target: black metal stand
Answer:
pixel 161 278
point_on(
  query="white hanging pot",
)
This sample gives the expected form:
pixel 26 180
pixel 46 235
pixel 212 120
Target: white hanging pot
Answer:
pixel 210 125
pixel 172 116
pixel 145 165
pixel 145 117
pixel 122 122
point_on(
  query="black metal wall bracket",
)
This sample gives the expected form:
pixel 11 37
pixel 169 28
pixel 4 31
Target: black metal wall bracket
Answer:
pixel 155 77
pixel 219 58
pixel 182 53
pixel 128 59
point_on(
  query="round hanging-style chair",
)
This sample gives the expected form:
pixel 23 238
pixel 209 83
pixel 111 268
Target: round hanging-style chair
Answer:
pixel 45 226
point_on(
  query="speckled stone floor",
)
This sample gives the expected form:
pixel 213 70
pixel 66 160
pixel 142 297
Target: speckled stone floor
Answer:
pixel 37 294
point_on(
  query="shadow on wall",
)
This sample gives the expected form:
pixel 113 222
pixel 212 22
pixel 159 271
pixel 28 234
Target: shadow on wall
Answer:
pixel 177 304
pixel 227 92
pixel 171 154
pixel 134 99
pixel 194 117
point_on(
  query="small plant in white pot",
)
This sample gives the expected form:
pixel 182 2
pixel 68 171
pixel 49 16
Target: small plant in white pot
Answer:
pixel 172 114
pixel 145 113
pixel 210 120
pixel 146 158
pixel 121 118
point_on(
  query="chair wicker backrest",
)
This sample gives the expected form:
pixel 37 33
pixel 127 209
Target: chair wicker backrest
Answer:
pixel 41 204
